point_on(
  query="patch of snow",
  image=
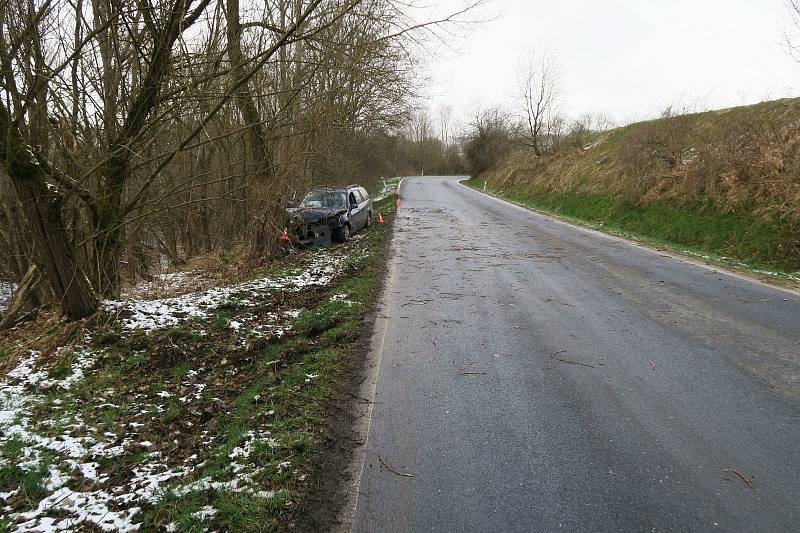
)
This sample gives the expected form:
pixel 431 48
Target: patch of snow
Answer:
pixel 387 188
pixel 86 508
pixel 173 282
pixel 149 315
pixel 206 512
pixel 342 298
pixel 101 506
pixel 275 326
pixel 80 494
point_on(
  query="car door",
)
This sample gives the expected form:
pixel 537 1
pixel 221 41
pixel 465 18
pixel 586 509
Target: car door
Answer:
pixel 363 206
pixel 366 206
pixel 355 210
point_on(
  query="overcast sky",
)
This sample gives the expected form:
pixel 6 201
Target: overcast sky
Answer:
pixel 626 58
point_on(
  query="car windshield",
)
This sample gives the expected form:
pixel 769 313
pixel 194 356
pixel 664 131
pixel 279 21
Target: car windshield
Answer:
pixel 322 199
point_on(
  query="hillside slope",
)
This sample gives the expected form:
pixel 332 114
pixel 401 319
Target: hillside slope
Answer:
pixel 725 183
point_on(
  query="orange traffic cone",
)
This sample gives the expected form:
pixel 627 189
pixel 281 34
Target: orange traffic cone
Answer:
pixel 285 235
pixel 380 218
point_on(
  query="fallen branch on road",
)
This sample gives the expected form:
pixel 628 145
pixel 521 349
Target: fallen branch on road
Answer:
pixel 390 469
pixel 417 302
pixel 578 363
pixel 744 478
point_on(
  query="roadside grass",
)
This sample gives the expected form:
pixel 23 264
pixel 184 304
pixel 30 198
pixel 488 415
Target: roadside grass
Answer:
pixel 731 239
pixel 256 413
pixel 297 376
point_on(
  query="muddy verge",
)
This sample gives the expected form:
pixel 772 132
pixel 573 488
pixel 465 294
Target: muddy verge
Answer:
pixel 330 498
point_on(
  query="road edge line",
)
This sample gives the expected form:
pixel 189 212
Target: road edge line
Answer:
pixel 370 385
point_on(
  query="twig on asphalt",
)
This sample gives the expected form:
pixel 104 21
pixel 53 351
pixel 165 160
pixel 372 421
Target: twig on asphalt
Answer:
pixel 558 352
pixel 417 302
pixel 558 301
pixel 744 478
pixel 653 364
pixel 389 468
pixel 578 363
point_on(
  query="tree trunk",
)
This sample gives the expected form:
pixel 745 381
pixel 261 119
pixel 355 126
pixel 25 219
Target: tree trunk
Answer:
pixel 17 253
pixel 244 99
pixel 43 210
pixel 23 305
pixel 263 240
pixel 110 219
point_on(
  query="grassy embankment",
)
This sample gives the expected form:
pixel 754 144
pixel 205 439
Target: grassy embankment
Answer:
pixel 723 185
pixel 209 423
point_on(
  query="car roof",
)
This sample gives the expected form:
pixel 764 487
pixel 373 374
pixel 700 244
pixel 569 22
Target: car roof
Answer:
pixel 329 189
pixel 337 189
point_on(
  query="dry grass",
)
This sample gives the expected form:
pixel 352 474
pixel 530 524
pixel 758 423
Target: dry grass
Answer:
pixel 742 162
pixel 739 159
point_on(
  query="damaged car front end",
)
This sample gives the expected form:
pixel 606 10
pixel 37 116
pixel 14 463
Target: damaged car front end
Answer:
pixel 320 218
pixel 314 226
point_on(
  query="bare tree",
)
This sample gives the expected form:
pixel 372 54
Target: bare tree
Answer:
pixel 445 115
pixel 539 78
pixel 490 138
pixel 133 132
pixel 792 35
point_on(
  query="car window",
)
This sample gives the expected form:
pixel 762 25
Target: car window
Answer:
pixel 324 199
pixel 353 199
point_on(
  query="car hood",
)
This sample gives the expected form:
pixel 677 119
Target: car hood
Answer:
pixel 307 214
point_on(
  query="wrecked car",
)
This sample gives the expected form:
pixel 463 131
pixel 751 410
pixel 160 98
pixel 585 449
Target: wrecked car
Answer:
pixel 330 214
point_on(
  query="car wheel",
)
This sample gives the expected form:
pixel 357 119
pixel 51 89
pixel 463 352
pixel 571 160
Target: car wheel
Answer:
pixel 344 233
pixel 369 220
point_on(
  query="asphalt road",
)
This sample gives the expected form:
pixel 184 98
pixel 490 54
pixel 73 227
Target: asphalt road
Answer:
pixel 534 376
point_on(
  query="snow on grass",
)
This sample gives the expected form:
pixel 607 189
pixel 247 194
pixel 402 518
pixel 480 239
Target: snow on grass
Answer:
pixel 150 315
pixel 271 325
pixel 241 467
pixel 103 502
pixel 793 276
pixel 172 282
pixel 69 451
pixel 388 187
pixel 23 389
pixel 342 297
pixel 82 484
pixel 206 512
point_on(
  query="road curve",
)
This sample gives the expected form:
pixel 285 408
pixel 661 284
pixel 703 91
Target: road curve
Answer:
pixel 535 376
